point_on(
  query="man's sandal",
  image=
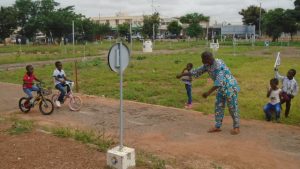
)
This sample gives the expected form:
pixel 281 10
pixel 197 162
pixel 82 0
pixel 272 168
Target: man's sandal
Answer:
pixel 213 130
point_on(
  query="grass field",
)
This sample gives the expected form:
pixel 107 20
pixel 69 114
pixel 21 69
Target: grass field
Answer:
pixel 151 79
pixel 27 53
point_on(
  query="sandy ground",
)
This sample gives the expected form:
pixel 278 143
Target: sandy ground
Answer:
pixel 179 136
pixel 37 150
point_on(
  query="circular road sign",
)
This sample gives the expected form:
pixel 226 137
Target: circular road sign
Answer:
pixel 118 57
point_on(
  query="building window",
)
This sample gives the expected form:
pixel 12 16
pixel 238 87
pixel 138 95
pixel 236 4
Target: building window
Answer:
pixel 117 21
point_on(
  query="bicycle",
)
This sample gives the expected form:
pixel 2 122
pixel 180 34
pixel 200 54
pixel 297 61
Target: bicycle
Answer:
pixel 75 102
pixel 46 106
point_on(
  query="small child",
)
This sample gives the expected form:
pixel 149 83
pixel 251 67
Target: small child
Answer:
pixel 28 79
pixel 187 80
pixel 60 78
pixel 289 88
pixel 274 94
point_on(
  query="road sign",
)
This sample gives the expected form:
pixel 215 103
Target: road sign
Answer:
pixel 117 55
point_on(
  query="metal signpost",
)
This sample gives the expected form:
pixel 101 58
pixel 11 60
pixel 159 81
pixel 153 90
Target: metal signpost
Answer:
pixel 120 157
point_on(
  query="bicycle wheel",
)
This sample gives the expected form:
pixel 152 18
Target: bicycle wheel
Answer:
pixel 46 107
pixel 24 105
pixel 54 98
pixel 75 103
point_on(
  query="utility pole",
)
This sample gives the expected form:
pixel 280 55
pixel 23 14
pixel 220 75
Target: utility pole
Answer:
pixel 153 36
pixel 259 25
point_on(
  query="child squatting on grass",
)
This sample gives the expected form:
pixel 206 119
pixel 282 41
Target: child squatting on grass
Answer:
pixel 187 80
pixel 290 88
pixel 60 78
pixel 274 93
pixel 28 79
pixel 226 86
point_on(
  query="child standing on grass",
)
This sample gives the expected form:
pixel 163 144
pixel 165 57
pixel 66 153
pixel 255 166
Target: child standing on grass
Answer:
pixel 60 78
pixel 274 94
pixel 187 80
pixel 289 88
pixel 28 79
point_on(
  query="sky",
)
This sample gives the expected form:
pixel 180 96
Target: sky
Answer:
pixel 218 10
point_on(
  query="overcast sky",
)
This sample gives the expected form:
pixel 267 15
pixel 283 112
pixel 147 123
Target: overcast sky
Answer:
pixel 218 10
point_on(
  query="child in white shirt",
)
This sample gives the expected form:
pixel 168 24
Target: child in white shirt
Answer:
pixel 274 94
pixel 289 88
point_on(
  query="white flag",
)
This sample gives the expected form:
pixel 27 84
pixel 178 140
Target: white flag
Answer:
pixel 277 62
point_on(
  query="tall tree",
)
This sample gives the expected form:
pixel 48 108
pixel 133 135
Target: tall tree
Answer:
pixel 251 15
pixel 149 22
pixel 123 29
pixel 24 10
pixel 297 4
pixel 103 29
pixel 290 22
pixel 194 18
pixel 59 22
pixel 174 28
pixel 297 11
pixel 8 21
pixel 194 29
pixel 273 23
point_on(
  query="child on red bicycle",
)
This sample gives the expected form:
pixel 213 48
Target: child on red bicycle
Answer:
pixel 28 79
pixel 60 78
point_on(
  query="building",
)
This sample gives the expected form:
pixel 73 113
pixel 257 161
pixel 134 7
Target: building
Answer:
pixel 137 22
pixel 120 18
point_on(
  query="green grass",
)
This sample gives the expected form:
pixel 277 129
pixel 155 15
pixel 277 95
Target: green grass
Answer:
pixel 87 137
pixel 20 126
pixel 11 53
pixel 148 160
pixel 151 79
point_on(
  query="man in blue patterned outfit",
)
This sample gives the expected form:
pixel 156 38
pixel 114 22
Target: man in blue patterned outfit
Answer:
pixel 226 86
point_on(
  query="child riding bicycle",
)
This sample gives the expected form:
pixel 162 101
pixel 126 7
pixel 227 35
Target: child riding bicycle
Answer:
pixel 28 79
pixel 60 79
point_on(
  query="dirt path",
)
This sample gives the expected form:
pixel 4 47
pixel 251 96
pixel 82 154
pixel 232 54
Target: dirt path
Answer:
pixel 38 150
pixel 178 135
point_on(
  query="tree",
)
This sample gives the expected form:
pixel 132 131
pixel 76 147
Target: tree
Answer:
pixel 103 29
pixel 273 23
pixel 297 11
pixel 251 15
pixel 123 29
pixel 24 10
pixel 174 28
pixel 297 4
pixel 290 22
pixel 194 29
pixel 8 21
pixel 194 18
pixel 55 23
pixel 149 22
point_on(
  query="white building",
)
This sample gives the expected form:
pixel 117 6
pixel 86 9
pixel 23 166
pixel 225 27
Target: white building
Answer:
pixel 137 21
